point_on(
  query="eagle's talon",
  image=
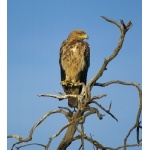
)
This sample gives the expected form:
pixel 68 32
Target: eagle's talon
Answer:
pixel 67 83
pixel 70 83
pixel 77 84
pixel 64 83
pixel 73 83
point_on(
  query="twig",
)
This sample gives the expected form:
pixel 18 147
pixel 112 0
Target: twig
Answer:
pixel 30 145
pixel 98 97
pixel 137 131
pixel 92 139
pixel 93 110
pixel 118 82
pixel 94 142
pixel 109 106
pixel 82 139
pixel 107 111
pixel 120 147
pixel 66 108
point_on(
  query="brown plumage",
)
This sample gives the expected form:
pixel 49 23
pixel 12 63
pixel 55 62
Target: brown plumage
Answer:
pixel 74 63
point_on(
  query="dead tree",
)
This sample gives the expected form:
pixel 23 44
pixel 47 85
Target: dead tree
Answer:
pixel 77 118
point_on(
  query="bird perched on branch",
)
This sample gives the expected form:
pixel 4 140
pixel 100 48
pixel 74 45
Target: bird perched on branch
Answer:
pixel 74 63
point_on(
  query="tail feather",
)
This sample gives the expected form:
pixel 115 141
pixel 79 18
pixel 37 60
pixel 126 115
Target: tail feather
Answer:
pixel 75 90
pixel 73 102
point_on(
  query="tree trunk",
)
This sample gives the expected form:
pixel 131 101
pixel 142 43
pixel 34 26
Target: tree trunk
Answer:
pixel 66 141
pixel 67 138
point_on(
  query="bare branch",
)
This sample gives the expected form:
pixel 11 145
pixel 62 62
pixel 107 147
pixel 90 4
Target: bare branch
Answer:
pixel 109 107
pixel 94 142
pixel 137 131
pixel 137 121
pixel 66 108
pixel 18 147
pixel 123 27
pixel 93 110
pixel 82 137
pixel 120 147
pixel 29 138
pixel 15 136
pixel 58 97
pixel 61 93
pixel 100 146
pixel 55 135
pixel 118 82
pixel 107 111
pixel 76 119
pixel 113 55
pixel 98 97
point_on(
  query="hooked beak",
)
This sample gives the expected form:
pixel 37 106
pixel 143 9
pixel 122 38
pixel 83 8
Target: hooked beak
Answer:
pixel 86 36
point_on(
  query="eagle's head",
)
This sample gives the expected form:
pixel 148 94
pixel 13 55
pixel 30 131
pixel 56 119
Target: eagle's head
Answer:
pixel 77 35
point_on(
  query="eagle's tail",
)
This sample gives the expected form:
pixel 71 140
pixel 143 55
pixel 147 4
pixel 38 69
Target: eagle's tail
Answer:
pixel 72 102
pixel 75 90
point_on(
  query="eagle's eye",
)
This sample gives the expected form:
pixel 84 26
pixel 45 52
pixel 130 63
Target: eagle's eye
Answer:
pixel 81 34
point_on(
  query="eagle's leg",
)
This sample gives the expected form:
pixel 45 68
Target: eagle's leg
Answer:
pixel 66 82
pixel 77 83
pixel 70 82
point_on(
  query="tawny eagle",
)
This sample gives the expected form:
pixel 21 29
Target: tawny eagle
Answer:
pixel 74 63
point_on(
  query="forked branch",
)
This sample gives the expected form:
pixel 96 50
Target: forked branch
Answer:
pixel 123 29
pixel 137 120
pixel 29 138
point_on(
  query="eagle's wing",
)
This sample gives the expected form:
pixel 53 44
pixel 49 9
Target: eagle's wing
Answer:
pixel 83 73
pixel 63 50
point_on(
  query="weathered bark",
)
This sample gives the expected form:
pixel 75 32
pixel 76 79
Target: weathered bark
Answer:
pixel 66 141
pixel 67 138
